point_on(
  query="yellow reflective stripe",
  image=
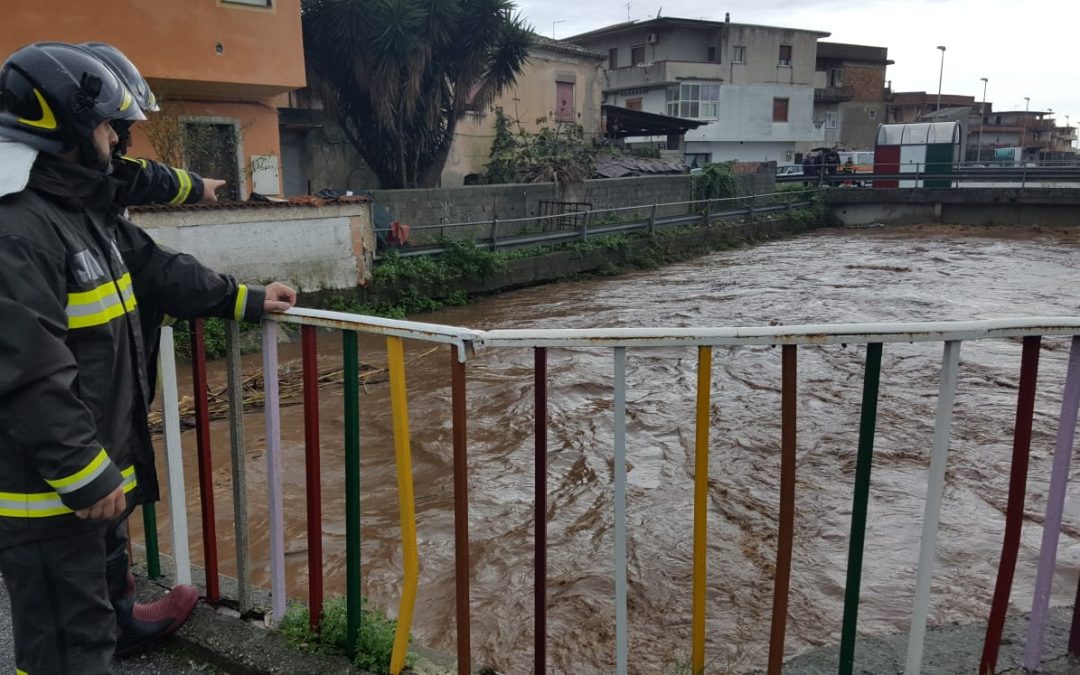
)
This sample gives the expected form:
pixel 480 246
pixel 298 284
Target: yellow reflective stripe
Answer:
pixel 129 479
pixel 184 190
pixel 126 103
pixel 101 292
pixel 100 305
pixel 47 120
pixel 46 504
pixel 83 477
pixel 20 672
pixel 241 302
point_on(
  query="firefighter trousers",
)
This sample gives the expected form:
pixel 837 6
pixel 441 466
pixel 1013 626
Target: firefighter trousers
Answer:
pixel 62 615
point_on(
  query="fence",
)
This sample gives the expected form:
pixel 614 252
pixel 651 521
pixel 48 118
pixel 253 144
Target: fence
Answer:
pixel 462 343
pixel 568 226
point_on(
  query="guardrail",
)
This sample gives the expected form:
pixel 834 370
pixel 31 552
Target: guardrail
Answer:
pixel 462 342
pixel 548 230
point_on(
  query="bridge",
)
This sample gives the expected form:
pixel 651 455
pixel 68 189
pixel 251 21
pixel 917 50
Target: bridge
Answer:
pixel 957 206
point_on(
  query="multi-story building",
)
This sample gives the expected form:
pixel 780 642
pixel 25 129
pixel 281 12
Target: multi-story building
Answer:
pixel 851 104
pixel 753 85
pixel 905 107
pixel 1034 131
pixel 217 67
pixel 561 83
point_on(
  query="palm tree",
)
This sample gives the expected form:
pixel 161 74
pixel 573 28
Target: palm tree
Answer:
pixel 399 74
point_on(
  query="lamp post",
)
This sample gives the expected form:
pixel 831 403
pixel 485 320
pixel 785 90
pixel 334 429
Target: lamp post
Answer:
pixel 941 74
pixel 1050 134
pixel 982 121
pixel 1023 132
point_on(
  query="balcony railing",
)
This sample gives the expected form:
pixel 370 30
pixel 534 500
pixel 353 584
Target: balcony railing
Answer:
pixel 834 94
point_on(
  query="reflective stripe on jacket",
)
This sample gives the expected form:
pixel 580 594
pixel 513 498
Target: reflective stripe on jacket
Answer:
pixel 73 392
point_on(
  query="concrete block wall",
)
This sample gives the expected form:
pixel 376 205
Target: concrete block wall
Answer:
pixel 310 248
pixel 484 202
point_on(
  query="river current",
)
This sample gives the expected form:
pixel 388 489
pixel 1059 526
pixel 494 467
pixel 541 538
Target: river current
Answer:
pixel 914 273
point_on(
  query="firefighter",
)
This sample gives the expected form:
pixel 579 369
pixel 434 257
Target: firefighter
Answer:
pixel 75 449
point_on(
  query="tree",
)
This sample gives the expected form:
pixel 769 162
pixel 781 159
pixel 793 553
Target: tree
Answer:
pixel 399 74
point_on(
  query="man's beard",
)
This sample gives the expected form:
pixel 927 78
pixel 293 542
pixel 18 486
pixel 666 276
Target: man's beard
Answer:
pixel 91 157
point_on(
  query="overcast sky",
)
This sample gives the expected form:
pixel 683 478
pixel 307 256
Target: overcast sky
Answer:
pixel 1024 48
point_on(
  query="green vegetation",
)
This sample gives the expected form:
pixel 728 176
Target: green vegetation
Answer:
pixel 213 336
pixel 560 153
pixel 374 644
pixel 715 181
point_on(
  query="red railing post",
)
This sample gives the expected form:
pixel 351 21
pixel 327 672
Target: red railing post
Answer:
pixel 313 474
pixel 206 472
pixel 540 593
pixel 461 510
pixel 1014 514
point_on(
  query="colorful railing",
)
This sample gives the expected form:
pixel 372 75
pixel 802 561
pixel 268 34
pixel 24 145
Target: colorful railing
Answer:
pixel 462 342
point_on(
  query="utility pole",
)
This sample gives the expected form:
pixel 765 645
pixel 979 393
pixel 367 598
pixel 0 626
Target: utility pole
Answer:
pixel 982 122
pixel 941 74
pixel 1023 133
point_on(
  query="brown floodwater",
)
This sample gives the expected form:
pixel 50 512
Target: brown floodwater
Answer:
pixel 917 273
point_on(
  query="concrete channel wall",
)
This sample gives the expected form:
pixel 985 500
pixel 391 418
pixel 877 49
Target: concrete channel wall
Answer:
pixel 956 206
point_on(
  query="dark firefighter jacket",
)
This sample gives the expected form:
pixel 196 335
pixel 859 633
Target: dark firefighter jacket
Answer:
pixel 73 395
pixel 146 182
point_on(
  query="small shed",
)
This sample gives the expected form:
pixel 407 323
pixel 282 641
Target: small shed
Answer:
pixel 927 150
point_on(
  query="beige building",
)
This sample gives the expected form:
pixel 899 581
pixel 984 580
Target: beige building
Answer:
pixel 560 83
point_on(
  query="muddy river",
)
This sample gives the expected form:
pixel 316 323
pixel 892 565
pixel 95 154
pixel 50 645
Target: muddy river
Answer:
pixel 918 273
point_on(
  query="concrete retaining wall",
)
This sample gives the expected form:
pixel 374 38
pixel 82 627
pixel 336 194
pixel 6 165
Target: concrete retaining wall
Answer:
pixel 485 202
pixel 311 248
pixel 958 206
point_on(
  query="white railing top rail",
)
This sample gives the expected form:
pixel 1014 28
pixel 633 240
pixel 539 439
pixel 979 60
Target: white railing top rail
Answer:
pixel 810 334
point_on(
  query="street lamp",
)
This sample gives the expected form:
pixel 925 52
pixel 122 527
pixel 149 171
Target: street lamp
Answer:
pixel 982 121
pixel 941 73
pixel 1023 133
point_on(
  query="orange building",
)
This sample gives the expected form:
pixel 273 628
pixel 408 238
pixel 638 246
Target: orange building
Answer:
pixel 217 67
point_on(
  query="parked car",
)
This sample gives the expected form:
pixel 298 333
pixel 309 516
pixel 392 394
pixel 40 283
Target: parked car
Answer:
pixel 789 170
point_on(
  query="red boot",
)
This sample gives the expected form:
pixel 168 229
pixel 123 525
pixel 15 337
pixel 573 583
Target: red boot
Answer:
pixel 141 626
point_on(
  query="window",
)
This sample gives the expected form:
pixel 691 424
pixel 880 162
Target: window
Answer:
pixel 637 55
pixel 694 101
pixel 711 55
pixel 253 3
pixel 785 55
pixel 832 120
pixel 738 55
pixel 696 160
pixel 872 114
pixel 780 110
pixel 613 58
pixel 633 103
pixel 564 102
pixel 836 77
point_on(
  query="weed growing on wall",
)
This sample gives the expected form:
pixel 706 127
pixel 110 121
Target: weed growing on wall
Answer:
pixel 375 642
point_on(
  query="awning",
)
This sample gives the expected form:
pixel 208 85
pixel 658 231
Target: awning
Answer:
pixel 623 122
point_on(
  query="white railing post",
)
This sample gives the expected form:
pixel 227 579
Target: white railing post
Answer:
pixel 174 455
pixel 273 471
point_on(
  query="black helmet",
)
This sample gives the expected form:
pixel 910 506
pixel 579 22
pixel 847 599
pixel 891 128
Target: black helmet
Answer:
pixel 53 95
pixel 127 72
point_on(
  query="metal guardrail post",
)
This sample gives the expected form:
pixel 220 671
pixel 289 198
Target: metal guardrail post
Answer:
pixel 750 208
pixel 708 212
pixel 1023 175
pixel 494 233
pixel 238 451
pixel 585 226
pixel 652 220
pixel 917 165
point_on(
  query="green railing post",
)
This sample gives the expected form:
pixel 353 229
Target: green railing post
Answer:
pixel 352 489
pixel 867 426
pixel 153 557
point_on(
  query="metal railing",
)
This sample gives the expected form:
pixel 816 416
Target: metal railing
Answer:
pixel 463 342
pixel 936 174
pixel 549 230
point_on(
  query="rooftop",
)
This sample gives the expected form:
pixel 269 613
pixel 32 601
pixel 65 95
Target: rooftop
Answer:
pixel 541 42
pixel 850 52
pixel 665 22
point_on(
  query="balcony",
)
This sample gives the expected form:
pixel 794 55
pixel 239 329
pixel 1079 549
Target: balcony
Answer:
pixel 661 73
pixel 834 94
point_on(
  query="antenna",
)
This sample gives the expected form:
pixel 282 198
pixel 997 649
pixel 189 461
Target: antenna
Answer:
pixel 553 23
pixel 628 4
pixel 659 11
